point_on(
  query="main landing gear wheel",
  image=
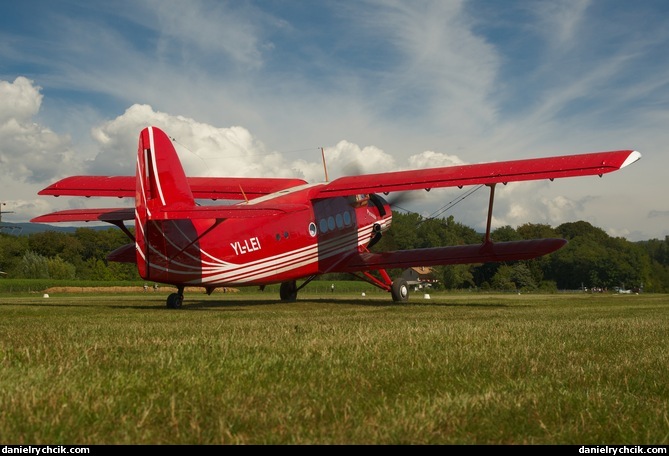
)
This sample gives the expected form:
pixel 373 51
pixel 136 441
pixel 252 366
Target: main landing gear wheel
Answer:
pixel 288 291
pixel 400 290
pixel 175 300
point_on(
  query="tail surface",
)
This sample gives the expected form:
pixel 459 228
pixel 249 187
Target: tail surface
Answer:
pixel 161 180
pixel 161 185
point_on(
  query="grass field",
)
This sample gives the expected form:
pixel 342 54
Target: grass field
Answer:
pixel 334 368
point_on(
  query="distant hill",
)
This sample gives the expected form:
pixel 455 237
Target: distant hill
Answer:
pixel 26 229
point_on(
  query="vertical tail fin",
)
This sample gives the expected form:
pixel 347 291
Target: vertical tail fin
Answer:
pixel 160 176
pixel 161 185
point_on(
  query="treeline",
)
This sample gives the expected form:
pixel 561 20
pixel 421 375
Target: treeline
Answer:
pixel 592 259
pixel 62 255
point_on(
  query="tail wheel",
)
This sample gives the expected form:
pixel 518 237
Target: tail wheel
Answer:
pixel 175 300
pixel 400 290
pixel 288 291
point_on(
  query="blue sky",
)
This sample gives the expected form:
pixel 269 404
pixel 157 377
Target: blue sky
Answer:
pixel 256 88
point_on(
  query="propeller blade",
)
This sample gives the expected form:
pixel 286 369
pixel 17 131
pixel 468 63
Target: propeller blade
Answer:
pixel 399 198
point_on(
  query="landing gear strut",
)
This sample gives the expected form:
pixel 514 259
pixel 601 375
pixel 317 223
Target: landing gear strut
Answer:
pixel 175 300
pixel 398 288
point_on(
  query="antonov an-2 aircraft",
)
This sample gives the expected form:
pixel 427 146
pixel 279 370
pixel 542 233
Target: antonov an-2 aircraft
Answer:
pixel 281 230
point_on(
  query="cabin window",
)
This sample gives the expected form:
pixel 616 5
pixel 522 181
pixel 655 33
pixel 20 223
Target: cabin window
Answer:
pixel 338 221
pixel 312 229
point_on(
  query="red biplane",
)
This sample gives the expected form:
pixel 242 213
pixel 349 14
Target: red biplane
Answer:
pixel 281 230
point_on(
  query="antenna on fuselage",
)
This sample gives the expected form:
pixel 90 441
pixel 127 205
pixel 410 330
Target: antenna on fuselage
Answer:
pixel 325 168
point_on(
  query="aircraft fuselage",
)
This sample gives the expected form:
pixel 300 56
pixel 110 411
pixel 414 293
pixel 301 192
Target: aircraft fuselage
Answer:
pixel 264 250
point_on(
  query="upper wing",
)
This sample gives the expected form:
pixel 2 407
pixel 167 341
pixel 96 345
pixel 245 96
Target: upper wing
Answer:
pixel 235 188
pixel 597 163
pixel 232 188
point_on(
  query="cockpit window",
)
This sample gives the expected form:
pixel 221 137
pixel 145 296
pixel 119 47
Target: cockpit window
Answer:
pixel 358 200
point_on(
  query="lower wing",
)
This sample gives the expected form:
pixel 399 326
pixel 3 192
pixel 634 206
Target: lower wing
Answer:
pixel 88 215
pixel 459 254
pixel 113 215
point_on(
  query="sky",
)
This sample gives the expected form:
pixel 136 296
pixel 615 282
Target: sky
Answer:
pixel 257 88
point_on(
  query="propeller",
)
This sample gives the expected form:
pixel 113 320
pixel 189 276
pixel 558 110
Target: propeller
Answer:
pixel 398 198
pixel 354 168
pixel 391 199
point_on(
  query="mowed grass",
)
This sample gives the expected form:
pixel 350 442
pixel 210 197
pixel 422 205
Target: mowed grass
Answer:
pixel 244 368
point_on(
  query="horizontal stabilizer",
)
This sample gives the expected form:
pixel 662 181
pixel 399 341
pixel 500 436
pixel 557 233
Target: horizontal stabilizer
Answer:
pixel 124 254
pixel 87 215
pixel 224 188
pixel 460 254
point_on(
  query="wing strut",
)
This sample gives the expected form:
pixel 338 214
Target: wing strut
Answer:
pixel 385 284
pixel 121 225
pixel 486 240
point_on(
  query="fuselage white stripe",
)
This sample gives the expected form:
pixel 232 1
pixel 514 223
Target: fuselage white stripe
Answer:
pixel 325 247
pixel 155 166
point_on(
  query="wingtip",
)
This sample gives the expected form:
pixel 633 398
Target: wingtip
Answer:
pixel 631 158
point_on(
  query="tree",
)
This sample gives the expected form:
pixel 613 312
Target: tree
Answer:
pixel 34 266
pixel 123 271
pixel 457 276
pixel 503 279
pixel 505 234
pixel 96 269
pixel 60 269
pixel 536 231
pixel 50 244
pixel 98 243
pixel 402 233
pixel 594 259
pixel 12 249
pixel 522 277
pixel 574 230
